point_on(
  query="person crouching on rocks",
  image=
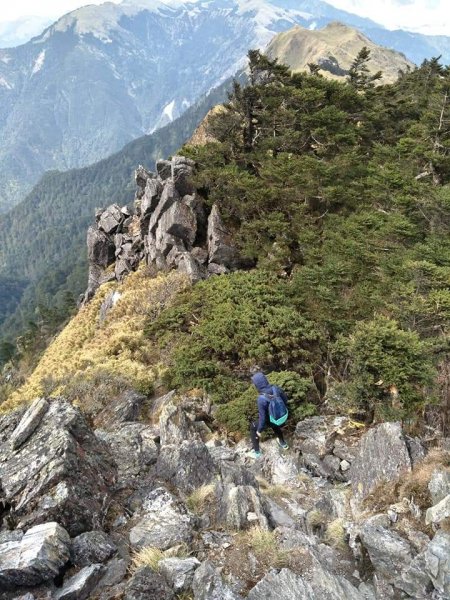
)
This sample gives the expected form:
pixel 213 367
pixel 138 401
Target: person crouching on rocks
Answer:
pixel 272 411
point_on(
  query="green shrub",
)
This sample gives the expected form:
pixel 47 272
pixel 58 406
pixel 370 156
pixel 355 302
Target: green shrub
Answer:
pixel 220 328
pixel 236 414
pixel 389 369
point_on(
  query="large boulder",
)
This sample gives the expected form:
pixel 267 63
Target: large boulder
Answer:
pixel 92 547
pixel 165 522
pixel 60 471
pixel 150 198
pixel 437 559
pixel 179 572
pixel 220 245
pixel 133 448
pixel 110 219
pixel 240 507
pixel 125 408
pixel 146 584
pixel 382 456
pixel 439 485
pixel 438 513
pixel 182 169
pixel 168 197
pixel 101 249
pixel 37 557
pixel 209 585
pixel 80 586
pixel 188 465
pixel 388 552
pixel 316 584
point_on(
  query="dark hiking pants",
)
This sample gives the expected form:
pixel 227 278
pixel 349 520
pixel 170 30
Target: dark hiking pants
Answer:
pixel 255 438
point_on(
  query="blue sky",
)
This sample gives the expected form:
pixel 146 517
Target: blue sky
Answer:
pixel 428 16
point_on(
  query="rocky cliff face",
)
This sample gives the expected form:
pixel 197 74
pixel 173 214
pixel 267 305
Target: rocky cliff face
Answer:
pixel 163 507
pixel 170 228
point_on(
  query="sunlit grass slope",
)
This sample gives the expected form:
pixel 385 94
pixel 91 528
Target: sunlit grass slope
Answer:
pixel 113 350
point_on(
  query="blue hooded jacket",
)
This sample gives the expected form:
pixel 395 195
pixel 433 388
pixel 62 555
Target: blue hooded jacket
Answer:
pixel 263 386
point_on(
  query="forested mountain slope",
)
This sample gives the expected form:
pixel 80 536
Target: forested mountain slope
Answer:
pixel 43 265
pixel 338 194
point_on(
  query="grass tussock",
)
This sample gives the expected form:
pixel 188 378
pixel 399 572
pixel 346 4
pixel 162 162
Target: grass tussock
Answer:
pixel 334 535
pixel 412 486
pixel 199 498
pixel 87 349
pixel 276 492
pixel 146 557
pixel 255 552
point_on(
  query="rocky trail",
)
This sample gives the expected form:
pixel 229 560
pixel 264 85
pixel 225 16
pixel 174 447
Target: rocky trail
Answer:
pixel 165 508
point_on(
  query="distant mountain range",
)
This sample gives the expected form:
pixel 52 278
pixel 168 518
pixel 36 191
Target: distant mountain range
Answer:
pixel 104 75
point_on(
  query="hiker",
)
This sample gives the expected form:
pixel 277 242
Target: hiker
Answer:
pixel 271 398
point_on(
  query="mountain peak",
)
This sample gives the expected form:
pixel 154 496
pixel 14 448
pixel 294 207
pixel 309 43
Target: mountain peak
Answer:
pixel 334 48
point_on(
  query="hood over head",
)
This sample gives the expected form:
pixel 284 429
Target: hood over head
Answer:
pixel 261 383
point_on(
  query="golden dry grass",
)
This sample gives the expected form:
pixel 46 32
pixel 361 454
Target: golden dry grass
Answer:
pixel 197 501
pixel 117 347
pixel 335 534
pixel 413 485
pixel 255 552
pixel 146 557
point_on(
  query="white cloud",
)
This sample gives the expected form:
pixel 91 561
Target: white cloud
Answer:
pixel 46 8
pixel 426 16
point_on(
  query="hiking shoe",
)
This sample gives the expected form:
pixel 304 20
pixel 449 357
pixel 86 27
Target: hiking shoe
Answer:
pixel 283 445
pixel 254 454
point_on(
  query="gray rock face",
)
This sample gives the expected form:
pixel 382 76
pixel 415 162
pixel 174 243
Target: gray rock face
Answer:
pixel 126 407
pixel 439 485
pixel 209 585
pixel 80 586
pixel 29 422
pixel 175 426
pixel 179 572
pixel 220 246
pixel 438 513
pixel 389 553
pixel 415 580
pixel 100 248
pixel 382 456
pixel 317 584
pixel 92 547
pixel 36 558
pixel 437 559
pixel 150 198
pixel 133 448
pixel 187 466
pixel 145 584
pixel 241 507
pixel 165 523
pixel 182 169
pixel 168 197
pixel 62 472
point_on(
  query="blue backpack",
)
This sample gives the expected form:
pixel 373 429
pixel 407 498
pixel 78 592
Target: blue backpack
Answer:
pixel 278 412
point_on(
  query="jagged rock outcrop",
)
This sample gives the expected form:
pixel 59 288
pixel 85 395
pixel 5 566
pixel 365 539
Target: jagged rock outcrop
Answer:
pixel 382 455
pixel 170 228
pixel 60 471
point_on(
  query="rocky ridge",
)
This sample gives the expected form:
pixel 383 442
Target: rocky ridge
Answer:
pixel 162 506
pixel 170 228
